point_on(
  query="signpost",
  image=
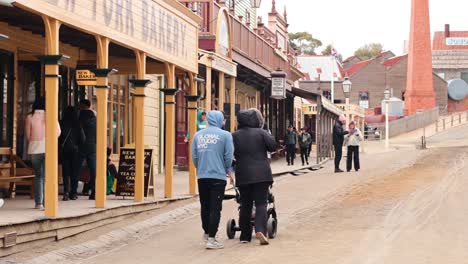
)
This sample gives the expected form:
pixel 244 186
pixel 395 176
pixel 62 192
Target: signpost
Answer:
pixel 126 175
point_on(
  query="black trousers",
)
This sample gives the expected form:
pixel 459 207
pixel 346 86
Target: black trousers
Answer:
pixel 71 166
pixel 338 155
pixel 353 153
pixel 258 193
pixel 211 200
pixel 305 154
pixel 290 153
pixel 309 150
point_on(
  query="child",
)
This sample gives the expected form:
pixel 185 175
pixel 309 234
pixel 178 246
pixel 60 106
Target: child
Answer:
pixel 111 173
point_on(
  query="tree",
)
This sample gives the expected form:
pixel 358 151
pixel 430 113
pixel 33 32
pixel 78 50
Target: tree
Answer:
pixel 369 51
pixel 304 43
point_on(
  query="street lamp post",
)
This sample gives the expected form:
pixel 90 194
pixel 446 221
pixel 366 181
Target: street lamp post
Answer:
pixel 255 3
pixel 387 99
pixel 347 90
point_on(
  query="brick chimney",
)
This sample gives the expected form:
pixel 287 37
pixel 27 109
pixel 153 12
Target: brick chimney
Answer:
pixel 420 93
pixel 447 30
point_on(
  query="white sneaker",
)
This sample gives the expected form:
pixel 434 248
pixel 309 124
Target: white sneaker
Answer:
pixel 263 239
pixel 1 202
pixel 39 206
pixel 213 244
pixel 205 238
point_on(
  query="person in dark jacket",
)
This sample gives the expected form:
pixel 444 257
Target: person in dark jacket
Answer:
pixel 338 139
pixel 305 139
pixel 290 140
pixel 88 148
pixel 69 141
pixel 253 172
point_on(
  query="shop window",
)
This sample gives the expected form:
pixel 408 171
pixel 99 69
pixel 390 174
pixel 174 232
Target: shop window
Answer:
pixel 6 98
pixel 364 99
pixel 119 112
pixel 464 76
pixel 327 94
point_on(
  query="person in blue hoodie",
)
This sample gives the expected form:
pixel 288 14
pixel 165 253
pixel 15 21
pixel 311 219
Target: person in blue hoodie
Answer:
pixel 212 154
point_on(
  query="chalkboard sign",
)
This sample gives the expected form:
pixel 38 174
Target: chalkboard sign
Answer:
pixel 126 175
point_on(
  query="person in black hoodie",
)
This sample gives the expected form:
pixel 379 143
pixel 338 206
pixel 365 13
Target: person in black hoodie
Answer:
pixel 69 140
pixel 88 148
pixel 338 139
pixel 253 172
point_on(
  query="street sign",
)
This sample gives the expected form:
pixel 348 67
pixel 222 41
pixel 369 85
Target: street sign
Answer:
pixel 85 77
pixel 278 87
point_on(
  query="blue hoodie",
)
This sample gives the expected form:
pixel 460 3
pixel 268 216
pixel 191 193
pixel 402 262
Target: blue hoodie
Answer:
pixel 213 149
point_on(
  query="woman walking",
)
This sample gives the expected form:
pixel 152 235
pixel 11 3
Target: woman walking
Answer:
pixel 352 141
pixel 35 128
pixel 70 140
pixel 253 172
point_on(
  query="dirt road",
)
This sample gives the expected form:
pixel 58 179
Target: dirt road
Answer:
pixel 406 206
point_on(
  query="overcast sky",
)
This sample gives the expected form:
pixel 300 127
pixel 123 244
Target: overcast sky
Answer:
pixel 349 24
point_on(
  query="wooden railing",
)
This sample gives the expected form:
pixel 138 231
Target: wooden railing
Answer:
pixel 245 41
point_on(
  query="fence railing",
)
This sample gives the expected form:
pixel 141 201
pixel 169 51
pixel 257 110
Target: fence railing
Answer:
pixel 451 120
pixel 410 123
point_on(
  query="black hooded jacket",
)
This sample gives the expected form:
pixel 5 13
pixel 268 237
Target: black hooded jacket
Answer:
pixel 251 144
pixel 88 123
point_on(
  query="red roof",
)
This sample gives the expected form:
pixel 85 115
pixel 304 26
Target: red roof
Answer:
pixel 395 60
pixel 357 67
pixel 439 42
pixel 350 59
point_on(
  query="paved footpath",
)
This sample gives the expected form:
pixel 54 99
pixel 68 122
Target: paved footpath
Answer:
pixel 404 206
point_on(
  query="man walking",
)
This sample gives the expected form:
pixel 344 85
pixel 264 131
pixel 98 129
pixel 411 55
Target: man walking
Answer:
pixel 212 154
pixel 88 149
pixel 305 140
pixel 290 141
pixel 338 138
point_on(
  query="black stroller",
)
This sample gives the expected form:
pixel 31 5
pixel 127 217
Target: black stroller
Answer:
pixel 272 224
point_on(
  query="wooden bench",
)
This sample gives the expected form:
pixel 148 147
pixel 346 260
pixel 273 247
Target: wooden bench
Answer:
pixel 13 176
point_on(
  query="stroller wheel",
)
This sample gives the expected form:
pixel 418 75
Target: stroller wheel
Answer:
pixel 272 227
pixel 231 228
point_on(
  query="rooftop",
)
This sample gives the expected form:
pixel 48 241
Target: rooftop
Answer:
pixel 440 40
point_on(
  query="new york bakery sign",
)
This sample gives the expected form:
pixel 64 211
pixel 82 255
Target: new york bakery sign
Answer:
pixel 152 26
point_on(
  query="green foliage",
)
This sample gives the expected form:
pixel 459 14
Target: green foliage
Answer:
pixel 369 51
pixel 304 43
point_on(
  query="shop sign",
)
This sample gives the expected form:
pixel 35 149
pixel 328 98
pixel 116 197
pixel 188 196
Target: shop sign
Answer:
pixel 85 77
pixel 159 28
pixel 223 36
pixel 224 66
pixel 457 41
pixel 278 85
pixel 126 175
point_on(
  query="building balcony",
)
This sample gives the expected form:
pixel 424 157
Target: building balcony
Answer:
pixel 257 45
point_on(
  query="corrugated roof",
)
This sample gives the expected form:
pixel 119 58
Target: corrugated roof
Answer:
pixel 315 65
pixel 355 68
pixel 395 60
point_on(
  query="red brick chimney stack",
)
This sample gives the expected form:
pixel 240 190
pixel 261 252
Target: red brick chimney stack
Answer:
pixel 447 30
pixel 419 93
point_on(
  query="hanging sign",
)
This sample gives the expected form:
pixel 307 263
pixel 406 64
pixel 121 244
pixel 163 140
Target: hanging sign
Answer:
pixel 126 175
pixel 85 77
pixel 278 85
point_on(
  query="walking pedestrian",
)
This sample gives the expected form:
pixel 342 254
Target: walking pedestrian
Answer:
pixel 212 154
pixel 88 148
pixel 69 141
pixel 253 172
pixel 111 173
pixel 338 139
pixel 290 141
pixel 35 131
pixel 201 124
pixel 352 141
pixel 311 142
pixel 305 139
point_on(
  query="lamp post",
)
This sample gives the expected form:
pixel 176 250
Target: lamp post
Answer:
pixel 347 90
pixel 386 99
pixel 255 3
